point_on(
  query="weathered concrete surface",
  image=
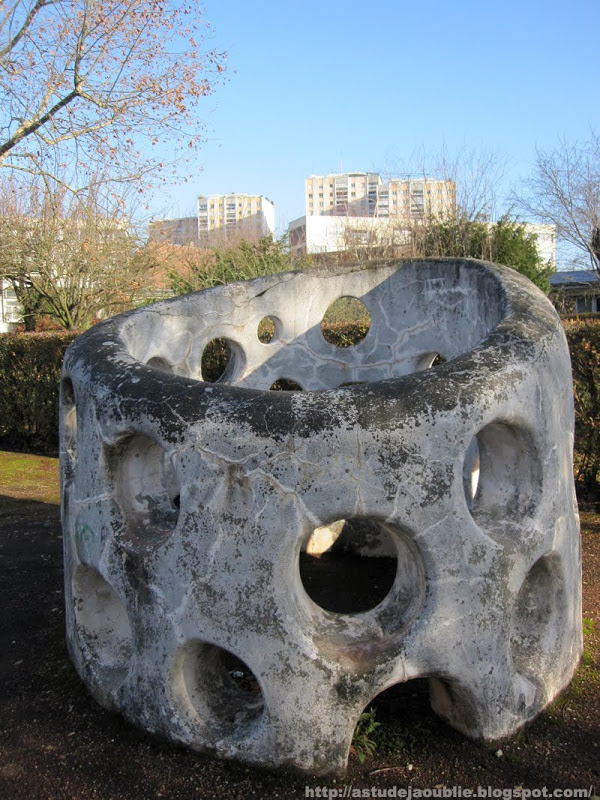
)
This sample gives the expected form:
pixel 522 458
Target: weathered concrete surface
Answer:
pixel 186 506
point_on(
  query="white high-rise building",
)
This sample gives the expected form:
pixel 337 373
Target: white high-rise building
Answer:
pixel 359 208
pixel 226 217
pixel 364 194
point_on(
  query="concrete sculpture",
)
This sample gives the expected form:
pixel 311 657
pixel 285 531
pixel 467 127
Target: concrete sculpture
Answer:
pixel 189 507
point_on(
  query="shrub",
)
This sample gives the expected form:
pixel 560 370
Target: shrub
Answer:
pixel 503 242
pixel 29 377
pixel 30 370
pixel 345 334
pixel 583 336
pixel 201 269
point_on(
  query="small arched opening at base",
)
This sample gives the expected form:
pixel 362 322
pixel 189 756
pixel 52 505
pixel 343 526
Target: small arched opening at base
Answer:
pixel 403 719
pixel 412 713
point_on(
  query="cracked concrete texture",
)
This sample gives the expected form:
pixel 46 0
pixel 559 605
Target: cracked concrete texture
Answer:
pixel 187 507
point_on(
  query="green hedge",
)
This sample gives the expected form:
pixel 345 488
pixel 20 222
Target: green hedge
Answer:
pixel 29 377
pixel 583 336
pixel 30 368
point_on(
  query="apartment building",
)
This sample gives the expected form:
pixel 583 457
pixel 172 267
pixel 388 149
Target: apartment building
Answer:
pixel 365 194
pixel 225 217
pixel 545 240
pixel 11 312
pixel 181 231
pixel 333 234
pixel 361 208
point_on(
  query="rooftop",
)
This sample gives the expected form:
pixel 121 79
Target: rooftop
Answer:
pixel 581 276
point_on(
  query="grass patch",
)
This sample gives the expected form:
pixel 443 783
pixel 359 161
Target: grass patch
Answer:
pixel 29 477
pixel 362 742
pixel 585 681
pixel 590 521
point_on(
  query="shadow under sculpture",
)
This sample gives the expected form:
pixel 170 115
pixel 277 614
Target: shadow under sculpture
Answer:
pixel 189 508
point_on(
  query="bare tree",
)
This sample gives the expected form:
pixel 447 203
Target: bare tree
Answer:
pixel 477 172
pixel 564 190
pixel 88 87
pixel 371 239
pixel 68 256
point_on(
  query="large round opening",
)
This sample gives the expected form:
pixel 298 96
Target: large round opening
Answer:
pixel 102 625
pixel 350 566
pixel 285 385
pixel 471 470
pixel 539 618
pixel 69 419
pixel 147 489
pixel 267 331
pixel 222 360
pixel 160 364
pixel 429 360
pixel 501 475
pixel 346 322
pixel 221 688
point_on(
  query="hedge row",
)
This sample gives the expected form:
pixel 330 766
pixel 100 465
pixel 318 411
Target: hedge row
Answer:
pixel 583 336
pixel 29 377
pixel 30 369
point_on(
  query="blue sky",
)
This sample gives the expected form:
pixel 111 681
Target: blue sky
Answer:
pixel 331 86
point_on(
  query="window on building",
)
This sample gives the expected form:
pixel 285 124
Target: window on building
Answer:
pixel 587 305
pixel 358 236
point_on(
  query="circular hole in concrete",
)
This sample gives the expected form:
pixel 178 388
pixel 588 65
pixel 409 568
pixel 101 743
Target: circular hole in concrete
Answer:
pixel 285 385
pixel 147 488
pixel 68 393
pixel 160 364
pixel 406 709
pixel 471 469
pixel 349 566
pixel 267 330
pixel 241 674
pixel 429 360
pixel 419 701
pixel 401 707
pixel 346 322
pixel 222 360
pixel 539 618
pixel 69 418
pixel 502 476
pixel 102 625
pixel 221 688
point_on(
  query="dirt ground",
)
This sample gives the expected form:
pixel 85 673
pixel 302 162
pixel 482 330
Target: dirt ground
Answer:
pixel 56 742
